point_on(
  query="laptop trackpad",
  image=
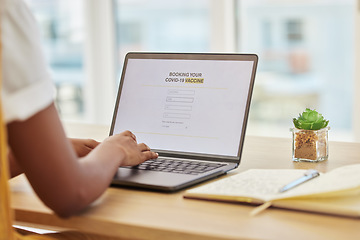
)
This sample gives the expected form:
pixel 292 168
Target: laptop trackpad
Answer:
pixel 137 177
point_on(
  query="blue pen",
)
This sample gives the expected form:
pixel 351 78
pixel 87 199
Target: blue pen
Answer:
pixel 310 174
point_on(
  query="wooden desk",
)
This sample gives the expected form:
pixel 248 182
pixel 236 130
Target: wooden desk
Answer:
pixel 134 214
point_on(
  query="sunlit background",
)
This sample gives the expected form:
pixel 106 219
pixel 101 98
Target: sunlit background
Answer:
pixel 306 51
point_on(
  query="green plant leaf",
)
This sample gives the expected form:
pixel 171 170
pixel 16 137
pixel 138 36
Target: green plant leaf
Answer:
pixel 310 120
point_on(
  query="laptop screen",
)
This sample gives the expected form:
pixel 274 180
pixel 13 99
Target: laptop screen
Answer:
pixel 185 105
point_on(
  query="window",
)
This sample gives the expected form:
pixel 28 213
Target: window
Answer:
pixel 294 29
pixel 161 25
pixel 61 23
pixel 306 52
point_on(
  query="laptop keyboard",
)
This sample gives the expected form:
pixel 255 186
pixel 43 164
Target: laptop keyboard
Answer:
pixel 178 166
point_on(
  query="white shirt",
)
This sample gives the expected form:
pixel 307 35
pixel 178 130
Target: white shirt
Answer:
pixel 27 87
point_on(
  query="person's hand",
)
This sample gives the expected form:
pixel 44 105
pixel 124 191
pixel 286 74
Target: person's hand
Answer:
pixel 83 146
pixel 132 152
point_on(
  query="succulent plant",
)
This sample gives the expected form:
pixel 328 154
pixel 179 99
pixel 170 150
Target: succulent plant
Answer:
pixel 310 120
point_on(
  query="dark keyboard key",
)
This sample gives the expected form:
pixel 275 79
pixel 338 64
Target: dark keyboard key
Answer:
pixel 178 166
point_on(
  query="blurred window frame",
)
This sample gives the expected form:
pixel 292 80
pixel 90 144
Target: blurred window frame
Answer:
pixel 101 63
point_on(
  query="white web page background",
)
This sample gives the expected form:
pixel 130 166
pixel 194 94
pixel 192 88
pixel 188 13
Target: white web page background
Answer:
pixel 169 114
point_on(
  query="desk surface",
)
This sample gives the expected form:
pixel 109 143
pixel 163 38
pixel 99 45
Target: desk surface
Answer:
pixel 135 214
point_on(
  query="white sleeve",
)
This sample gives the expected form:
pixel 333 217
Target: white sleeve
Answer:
pixel 27 86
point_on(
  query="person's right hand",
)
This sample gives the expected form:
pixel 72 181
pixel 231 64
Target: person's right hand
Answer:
pixel 130 151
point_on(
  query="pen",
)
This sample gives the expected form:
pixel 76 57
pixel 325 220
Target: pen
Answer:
pixel 310 174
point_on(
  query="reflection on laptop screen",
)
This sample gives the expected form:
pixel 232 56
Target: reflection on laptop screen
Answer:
pixel 195 106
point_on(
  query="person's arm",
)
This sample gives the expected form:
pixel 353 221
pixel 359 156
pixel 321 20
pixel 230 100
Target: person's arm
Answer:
pixel 82 147
pixel 63 182
pixel 15 168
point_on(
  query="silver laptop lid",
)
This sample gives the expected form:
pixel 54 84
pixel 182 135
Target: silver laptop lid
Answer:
pixel 186 105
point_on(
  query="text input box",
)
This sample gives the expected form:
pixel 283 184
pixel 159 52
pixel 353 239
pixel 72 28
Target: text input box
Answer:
pixel 178 108
pixel 180 99
pixel 180 92
pixel 177 115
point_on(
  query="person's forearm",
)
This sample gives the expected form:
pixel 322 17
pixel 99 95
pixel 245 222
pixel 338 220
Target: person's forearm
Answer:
pixel 93 177
pixel 113 152
pixel 81 146
pixel 103 171
pixel 65 183
pixel 15 168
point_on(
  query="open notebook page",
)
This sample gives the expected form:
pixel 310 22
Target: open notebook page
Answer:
pixel 264 184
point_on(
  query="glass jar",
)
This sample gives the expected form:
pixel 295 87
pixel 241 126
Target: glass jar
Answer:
pixel 310 145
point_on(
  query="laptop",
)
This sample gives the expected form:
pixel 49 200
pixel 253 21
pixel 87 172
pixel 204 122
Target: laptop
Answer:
pixel 191 108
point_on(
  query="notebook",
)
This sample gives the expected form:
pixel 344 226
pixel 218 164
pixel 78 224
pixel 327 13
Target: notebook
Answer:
pixel 323 194
pixel 191 108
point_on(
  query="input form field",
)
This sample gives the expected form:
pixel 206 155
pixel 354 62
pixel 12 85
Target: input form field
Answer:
pixel 177 115
pixel 180 99
pixel 178 108
pixel 180 92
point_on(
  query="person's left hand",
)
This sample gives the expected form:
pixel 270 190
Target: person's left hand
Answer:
pixel 83 146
